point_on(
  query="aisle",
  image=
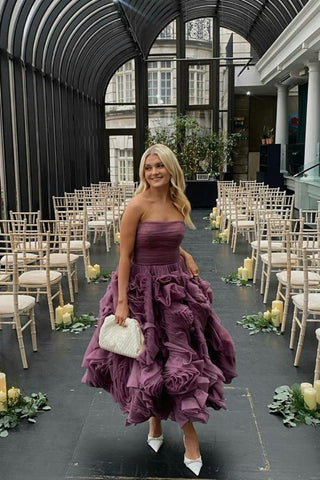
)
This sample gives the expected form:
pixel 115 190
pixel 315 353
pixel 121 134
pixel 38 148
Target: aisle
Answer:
pixel 84 437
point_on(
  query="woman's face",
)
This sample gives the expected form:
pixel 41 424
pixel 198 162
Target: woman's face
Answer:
pixel 155 172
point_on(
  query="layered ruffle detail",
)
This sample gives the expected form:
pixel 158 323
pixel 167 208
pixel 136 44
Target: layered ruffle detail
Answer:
pixel 187 354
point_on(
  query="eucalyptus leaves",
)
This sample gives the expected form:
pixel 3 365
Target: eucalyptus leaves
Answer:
pixel 289 402
pixel 258 323
pixel 24 408
pixel 234 278
pixel 78 324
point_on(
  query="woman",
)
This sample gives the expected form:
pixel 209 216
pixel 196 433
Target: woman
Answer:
pixel 187 354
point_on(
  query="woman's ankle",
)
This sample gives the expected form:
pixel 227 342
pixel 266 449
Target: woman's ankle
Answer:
pixel 155 428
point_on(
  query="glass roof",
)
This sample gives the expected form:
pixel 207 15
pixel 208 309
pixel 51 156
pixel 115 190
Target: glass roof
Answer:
pixel 82 42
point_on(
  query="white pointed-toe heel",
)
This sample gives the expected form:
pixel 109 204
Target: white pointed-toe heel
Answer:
pixel 155 442
pixel 194 465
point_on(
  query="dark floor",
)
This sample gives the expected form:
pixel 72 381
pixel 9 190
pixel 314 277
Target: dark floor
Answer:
pixel 84 437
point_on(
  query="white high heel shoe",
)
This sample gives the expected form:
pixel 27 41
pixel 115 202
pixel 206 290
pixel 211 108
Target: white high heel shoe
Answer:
pixel 194 465
pixel 155 442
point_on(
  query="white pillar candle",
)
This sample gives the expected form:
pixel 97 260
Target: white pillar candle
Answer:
pixel 316 386
pixel 279 305
pixel 240 272
pixel 267 315
pixel 68 308
pixel 248 265
pixel 117 237
pixel 245 274
pixel 59 314
pixel 13 394
pixel 91 271
pixel 275 317
pixel 3 401
pixel 3 383
pixel 304 385
pixel 66 319
pixel 310 398
pixel 96 266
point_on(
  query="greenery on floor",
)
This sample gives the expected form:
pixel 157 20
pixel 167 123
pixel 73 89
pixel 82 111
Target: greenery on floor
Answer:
pixel 258 323
pixel 78 323
pixel 234 278
pixel 103 276
pixel 289 402
pixel 20 409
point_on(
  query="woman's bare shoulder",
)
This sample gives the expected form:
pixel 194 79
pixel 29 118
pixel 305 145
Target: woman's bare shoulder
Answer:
pixel 136 205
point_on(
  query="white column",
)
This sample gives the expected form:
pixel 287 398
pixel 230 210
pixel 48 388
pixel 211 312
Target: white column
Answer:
pixel 312 139
pixel 282 123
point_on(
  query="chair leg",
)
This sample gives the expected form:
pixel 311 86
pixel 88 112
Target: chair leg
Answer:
pixel 33 331
pixel 300 341
pixel 285 309
pixel 293 328
pixel 70 285
pixel 262 282
pixel 50 307
pixel 21 343
pixel 60 294
pixel 317 365
pixel 267 285
pixel 255 261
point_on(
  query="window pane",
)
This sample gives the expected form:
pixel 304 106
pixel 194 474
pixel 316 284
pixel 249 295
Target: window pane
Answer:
pixel 121 158
pixel 161 79
pixel 199 38
pixel 199 84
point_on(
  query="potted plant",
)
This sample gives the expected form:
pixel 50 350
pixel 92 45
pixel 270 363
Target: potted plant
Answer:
pixel 197 150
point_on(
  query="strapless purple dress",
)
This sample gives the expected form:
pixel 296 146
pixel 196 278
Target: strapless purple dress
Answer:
pixel 187 354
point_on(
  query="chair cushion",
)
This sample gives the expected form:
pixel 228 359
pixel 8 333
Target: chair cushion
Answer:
pixel 8 258
pixel 277 258
pixel 61 259
pixel 297 277
pixel 318 334
pixel 313 301
pixel 25 302
pixel 38 277
pixel 264 245
pixel 4 277
pixel 243 223
pixel 76 245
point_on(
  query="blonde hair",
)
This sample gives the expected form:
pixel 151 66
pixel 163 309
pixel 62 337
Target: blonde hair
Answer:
pixel 177 182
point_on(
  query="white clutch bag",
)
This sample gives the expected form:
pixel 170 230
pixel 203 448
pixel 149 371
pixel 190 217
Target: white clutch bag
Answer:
pixel 127 340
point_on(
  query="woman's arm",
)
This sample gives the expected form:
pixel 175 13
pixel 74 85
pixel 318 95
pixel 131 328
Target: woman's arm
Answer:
pixel 129 223
pixel 191 265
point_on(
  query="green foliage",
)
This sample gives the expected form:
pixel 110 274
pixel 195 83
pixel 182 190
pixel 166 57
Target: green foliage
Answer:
pixel 258 323
pixel 197 150
pixel 289 402
pixel 25 408
pixel 103 276
pixel 79 323
pixel 233 278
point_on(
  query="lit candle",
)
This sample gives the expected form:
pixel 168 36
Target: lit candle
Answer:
pixel 248 265
pixel 214 211
pixel 96 266
pixel 310 398
pixel 304 385
pixel 316 386
pixel 3 401
pixel 66 318
pixel 275 316
pixel 3 383
pixel 68 308
pixel 13 394
pixel 218 220
pixel 279 305
pixel 59 314
pixel 245 274
pixel 117 237
pixel 267 315
pixel 240 272
pixel 213 224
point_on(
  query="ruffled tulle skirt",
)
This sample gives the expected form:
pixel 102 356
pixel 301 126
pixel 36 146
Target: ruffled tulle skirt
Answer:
pixel 187 353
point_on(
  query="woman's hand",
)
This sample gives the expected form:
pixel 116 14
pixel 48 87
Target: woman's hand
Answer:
pixel 121 313
pixel 191 265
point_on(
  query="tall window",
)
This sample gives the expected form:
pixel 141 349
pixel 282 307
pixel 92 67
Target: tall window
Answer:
pixel 160 83
pixel 198 84
pixel 125 165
